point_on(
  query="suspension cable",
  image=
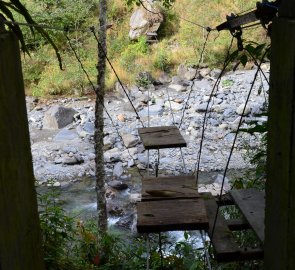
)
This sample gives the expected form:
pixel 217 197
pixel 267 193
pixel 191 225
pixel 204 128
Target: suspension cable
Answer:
pixel 100 101
pixel 226 63
pixel 233 144
pixel 116 74
pixel 191 89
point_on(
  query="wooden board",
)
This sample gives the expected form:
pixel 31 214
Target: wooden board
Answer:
pixel 225 247
pixel 165 188
pixel 171 215
pixel 161 137
pixel 251 202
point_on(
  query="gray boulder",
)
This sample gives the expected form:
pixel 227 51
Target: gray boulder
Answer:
pixel 129 140
pixel 58 117
pixel 143 21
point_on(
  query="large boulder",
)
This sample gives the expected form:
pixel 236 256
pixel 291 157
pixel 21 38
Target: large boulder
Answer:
pixel 143 21
pixel 58 117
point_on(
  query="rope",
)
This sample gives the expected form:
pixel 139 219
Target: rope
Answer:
pixel 100 101
pixel 258 66
pixel 226 63
pixel 116 74
pixel 191 89
pixel 207 28
pixel 233 145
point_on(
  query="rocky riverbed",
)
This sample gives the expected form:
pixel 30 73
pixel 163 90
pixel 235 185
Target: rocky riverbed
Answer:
pixel 62 131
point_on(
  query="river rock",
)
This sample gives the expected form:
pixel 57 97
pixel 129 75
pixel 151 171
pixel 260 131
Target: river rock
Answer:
pixel 117 185
pixel 65 135
pixel 186 73
pixel 204 72
pixel 153 110
pixel 58 117
pixel 69 149
pixel 118 169
pixel 240 109
pixel 70 160
pixel 164 78
pixel 174 105
pixel 112 155
pixel 129 140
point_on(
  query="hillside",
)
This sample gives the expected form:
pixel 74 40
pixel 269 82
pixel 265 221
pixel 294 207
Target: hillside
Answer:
pixel 180 41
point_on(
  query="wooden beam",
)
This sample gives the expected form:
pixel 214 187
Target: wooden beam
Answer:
pixel 251 203
pixel 224 244
pixel 280 185
pixel 171 187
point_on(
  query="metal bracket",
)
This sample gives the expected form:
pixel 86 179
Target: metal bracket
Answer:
pixel 265 11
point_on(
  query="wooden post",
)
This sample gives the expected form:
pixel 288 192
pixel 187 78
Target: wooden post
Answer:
pixel 20 241
pixel 280 188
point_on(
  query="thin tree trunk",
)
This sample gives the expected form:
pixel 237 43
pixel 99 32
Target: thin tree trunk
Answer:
pixel 99 121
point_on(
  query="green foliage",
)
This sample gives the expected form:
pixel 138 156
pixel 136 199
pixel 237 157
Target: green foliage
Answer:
pixel 57 230
pixel 132 53
pixel 78 245
pixel 162 60
pixel 8 11
pixel 165 3
pixel 227 83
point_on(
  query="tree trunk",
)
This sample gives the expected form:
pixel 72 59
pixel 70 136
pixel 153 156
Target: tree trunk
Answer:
pixel 20 237
pixel 99 121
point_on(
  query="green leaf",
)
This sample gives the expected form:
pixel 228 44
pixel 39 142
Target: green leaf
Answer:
pixel 244 59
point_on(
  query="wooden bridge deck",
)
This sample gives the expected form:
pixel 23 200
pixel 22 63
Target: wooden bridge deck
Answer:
pixel 161 137
pixel 171 215
pixel 171 187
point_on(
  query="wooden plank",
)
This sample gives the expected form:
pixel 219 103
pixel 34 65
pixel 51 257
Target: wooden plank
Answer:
pixel 171 187
pixel 171 215
pixel 161 137
pixel 238 224
pixel 224 244
pixel 251 202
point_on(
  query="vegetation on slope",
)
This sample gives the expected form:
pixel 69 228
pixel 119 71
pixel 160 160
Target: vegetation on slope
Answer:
pixel 179 42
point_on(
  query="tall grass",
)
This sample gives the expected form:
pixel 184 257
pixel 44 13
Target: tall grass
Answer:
pixel 179 42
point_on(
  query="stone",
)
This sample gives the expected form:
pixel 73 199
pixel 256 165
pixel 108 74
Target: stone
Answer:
pixel 202 107
pixel 143 21
pixel 153 110
pixel 120 90
pixel 129 140
pixel 89 128
pixel 202 85
pixel 69 149
pixel 240 109
pixel 204 72
pixel 215 73
pixel 219 179
pixel 70 161
pixel 164 78
pixel 58 117
pixel 121 118
pixel 118 169
pixel 178 87
pixel 228 112
pixel 117 185
pixel 174 105
pixel 112 155
pixel 65 135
